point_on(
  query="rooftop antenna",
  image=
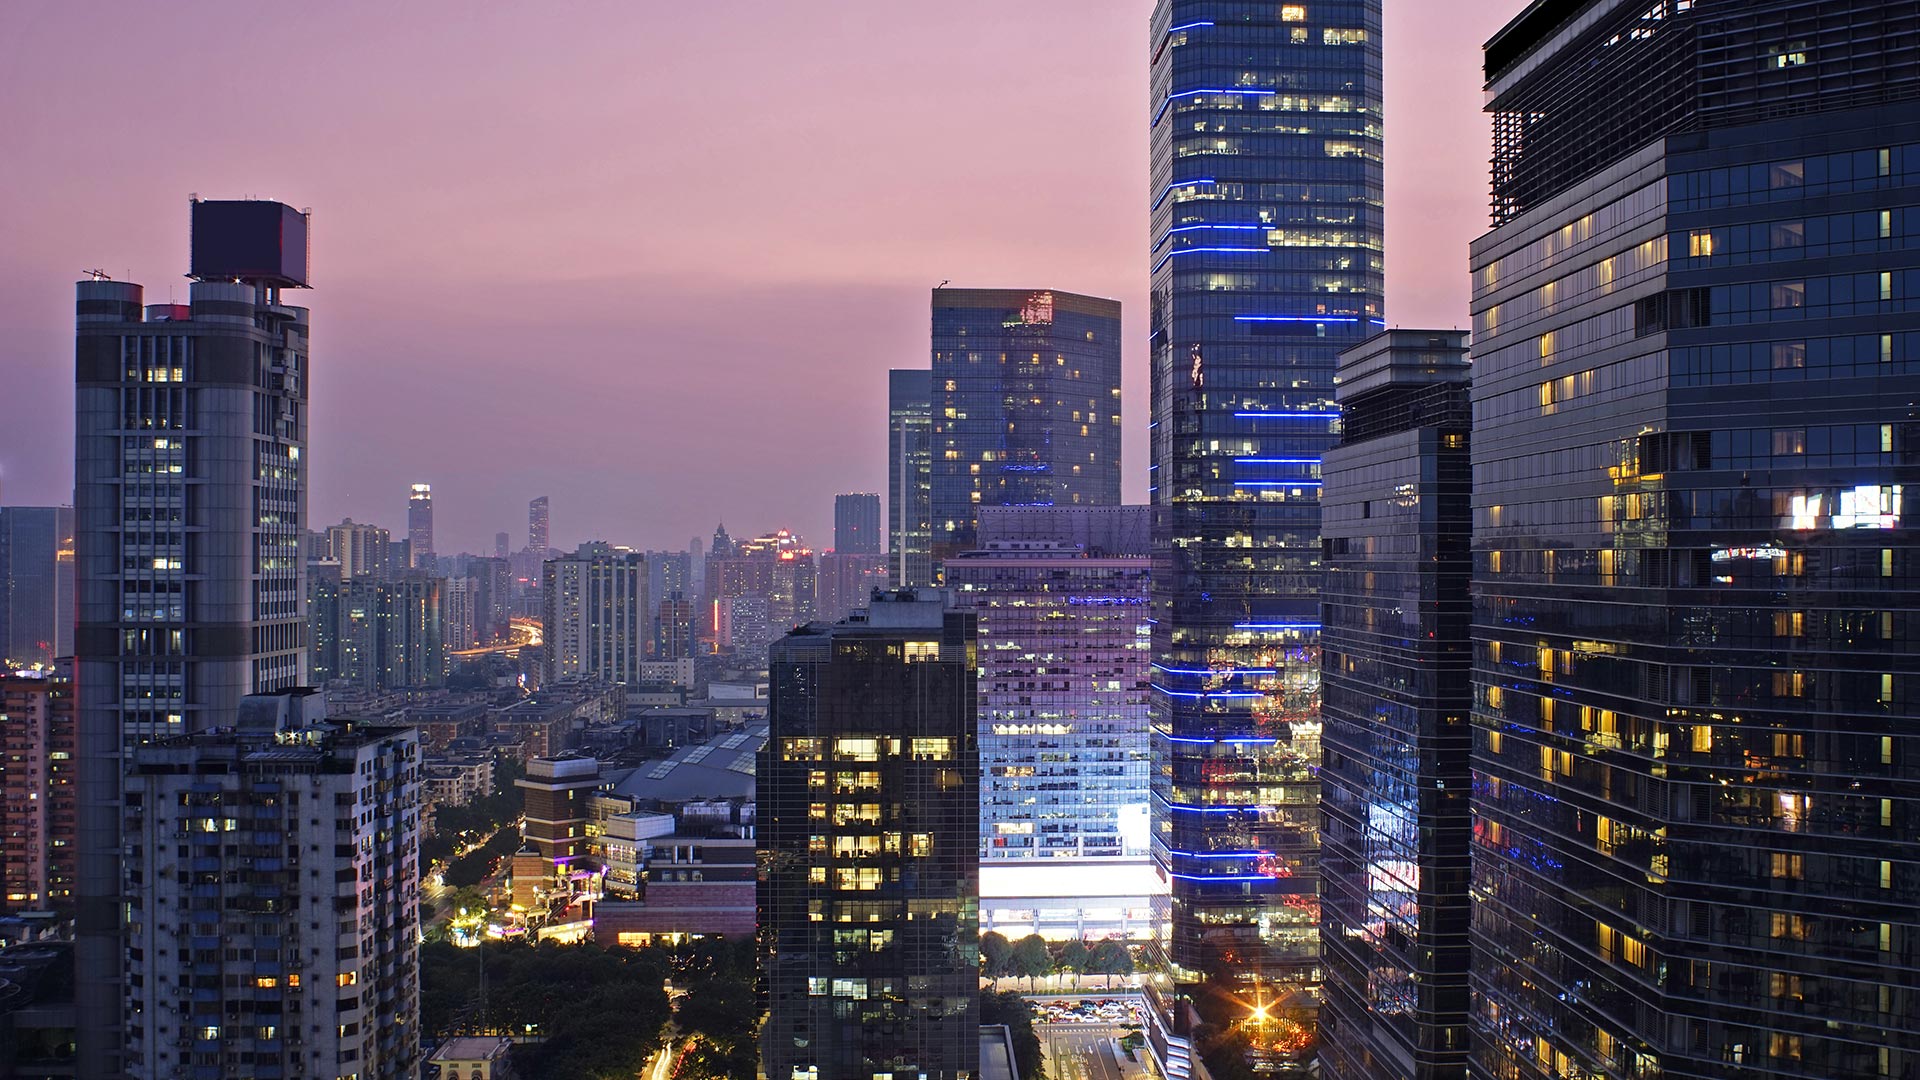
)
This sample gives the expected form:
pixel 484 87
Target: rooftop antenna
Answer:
pixel 96 275
pixel 944 284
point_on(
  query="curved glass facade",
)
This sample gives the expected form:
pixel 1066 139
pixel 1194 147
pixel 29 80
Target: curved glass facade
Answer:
pixel 1266 263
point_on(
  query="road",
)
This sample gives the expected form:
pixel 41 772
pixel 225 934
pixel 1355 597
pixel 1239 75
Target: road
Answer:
pixel 1080 1051
pixel 525 631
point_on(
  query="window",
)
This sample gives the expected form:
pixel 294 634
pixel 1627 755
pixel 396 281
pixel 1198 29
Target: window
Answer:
pixel 1787 234
pixel 1788 294
pixel 1298 13
pixel 932 749
pixel 1789 441
pixel 1792 54
pixel 1789 354
pixel 856 749
pixel 1331 36
pixel 1787 174
pixel 1700 243
pixel 922 651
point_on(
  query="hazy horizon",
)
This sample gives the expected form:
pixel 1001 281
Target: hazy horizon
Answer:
pixel 653 264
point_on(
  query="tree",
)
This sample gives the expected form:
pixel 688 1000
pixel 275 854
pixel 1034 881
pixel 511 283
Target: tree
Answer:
pixel 723 1016
pixel 1032 959
pixel 1073 956
pixel 1110 958
pixel 1016 1013
pixel 995 954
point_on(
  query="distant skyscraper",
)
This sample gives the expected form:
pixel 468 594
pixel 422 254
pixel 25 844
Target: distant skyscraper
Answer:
pixel 1026 405
pixel 597 619
pixel 722 543
pixel 1397 661
pixel 420 526
pixel 1697 578
pixel 256 963
pixel 36 584
pixel 1266 228
pixel 361 550
pixel 856 524
pixel 189 501
pixel 539 539
pixel 502 545
pixel 869 832
pixel 910 475
pixel 37 787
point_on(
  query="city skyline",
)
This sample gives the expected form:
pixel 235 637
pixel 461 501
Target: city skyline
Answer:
pixel 402 270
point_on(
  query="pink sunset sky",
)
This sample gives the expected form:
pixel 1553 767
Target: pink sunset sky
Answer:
pixel 652 260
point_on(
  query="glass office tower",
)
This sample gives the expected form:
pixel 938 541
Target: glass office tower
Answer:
pixel 1266 263
pixel 869 831
pixel 1697 352
pixel 1026 405
pixel 1397 657
pixel 910 476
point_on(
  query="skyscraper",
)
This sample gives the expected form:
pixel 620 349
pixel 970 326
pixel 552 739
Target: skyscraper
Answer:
pixel 1063 735
pixel 247 961
pixel 1696 349
pixel 36 584
pixel 539 539
pixel 1026 405
pixel 502 545
pixel 420 526
pixel 856 524
pixel 868 826
pixel 189 500
pixel 1397 685
pixel 1265 209
pixel 597 621
pixel 910 476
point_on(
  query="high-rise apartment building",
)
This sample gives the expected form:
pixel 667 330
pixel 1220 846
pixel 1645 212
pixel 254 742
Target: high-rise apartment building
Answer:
pixel 868 827
pixel 596 618
pixel 387 635
pixel 492 599
pixel 1397 662
pixel 1025 403
pixel 189 501
pixel 361 550
pixel 38 855
pixel 273 900
pixel 673 628
pixel 845 582
pixel 457 614
pixel 1696 348
pixel 910 476
pixel 36 584
pixel 856 524
pixel 1266 226
pixel 539 538
pixel 420 526
pixel 1064 751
